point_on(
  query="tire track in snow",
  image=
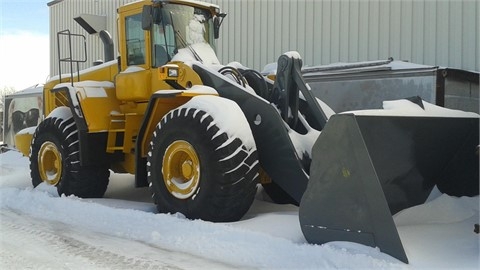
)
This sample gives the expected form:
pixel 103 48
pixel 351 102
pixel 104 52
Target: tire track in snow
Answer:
pixel 59 244
pixel 36 244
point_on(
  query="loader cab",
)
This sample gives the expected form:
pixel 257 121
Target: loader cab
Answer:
pixel 151 33
pixel 173 27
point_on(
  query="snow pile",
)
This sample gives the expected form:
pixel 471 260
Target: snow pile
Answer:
pixel 304 142
pixel 444 209
pixel 269 69
pixel 215 241
pixel 29 130
pixel 293 54
pixel 132 69
pixel 224 112
pixel 438 234
pixel 85 71
pixel 326 109
pixel 204 50
pixel 403 107
pixel 196 30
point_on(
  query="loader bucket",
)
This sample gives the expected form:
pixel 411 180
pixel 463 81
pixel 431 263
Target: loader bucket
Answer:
pixel 367 168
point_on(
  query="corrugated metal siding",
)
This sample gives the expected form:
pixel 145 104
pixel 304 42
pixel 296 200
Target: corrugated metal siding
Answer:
pixel 443 33
pixel 256 32
pixel 61 18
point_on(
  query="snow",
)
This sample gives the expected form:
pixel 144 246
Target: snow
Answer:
pixel 85 71
pixel 204 50
pixel 293 54
pixel 326 109
pixel 195 89
pixel 237 65
pixel 455 209
pixel 224 112
pixel 303 142
pixel 202 89
pixel 29 130
pixel 33 90
pixel 196 29
pixel 201 3
pixel 123 227
pixel 269 69
pixel 133 69
pixel 61 112
pixel 124 224
pixel 405 107
pixel 103 84
pixel 366 66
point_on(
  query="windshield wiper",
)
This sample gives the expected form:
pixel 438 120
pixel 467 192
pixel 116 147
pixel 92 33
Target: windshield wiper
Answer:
pixel 183 42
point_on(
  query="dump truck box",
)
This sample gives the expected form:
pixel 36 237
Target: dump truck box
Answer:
pixel 365 85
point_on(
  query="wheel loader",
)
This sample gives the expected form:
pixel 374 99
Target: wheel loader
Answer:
pixel 203 136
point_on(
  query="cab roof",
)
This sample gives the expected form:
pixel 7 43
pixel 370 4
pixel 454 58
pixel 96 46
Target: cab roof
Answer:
pixel 194 3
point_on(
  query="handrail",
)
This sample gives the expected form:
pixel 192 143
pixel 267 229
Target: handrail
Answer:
pixel 69 58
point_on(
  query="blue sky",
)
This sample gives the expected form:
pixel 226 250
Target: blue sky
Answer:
pixel 24 43
pixel 24 15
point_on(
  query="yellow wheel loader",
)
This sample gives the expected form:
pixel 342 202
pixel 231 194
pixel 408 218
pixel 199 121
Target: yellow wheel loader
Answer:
pixel 202 136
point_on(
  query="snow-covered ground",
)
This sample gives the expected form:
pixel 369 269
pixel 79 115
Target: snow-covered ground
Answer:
pixel 40 230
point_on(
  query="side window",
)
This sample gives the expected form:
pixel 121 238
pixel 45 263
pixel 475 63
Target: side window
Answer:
pixel 170 37
pixel 163 44
pixel 135 40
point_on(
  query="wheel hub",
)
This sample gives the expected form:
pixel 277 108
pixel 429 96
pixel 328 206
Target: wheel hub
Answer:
pixel 50 163
pixel 187 169
pixel 181 169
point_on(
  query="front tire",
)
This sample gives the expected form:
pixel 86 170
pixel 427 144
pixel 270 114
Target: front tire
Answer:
pixel 199 171
pixel 55 160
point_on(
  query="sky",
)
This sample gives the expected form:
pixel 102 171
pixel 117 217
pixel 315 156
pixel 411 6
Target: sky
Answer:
pixel 24 43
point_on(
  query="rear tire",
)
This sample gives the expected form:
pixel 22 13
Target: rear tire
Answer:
pixel 55 159
pixel 197 172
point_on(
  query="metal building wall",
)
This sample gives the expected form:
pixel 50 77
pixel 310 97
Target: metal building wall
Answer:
pixel 442 32
pixel 62 13
pixel 256 32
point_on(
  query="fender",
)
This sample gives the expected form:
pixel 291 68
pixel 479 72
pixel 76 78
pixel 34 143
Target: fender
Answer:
pixel 160 103
pixel 91 104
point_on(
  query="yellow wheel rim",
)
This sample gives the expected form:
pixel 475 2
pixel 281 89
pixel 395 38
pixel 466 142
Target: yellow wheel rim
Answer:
pixel 50 163
pixel 181 169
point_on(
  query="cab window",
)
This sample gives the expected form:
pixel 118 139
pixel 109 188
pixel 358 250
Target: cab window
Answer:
pixel 135 40
pixel 163 44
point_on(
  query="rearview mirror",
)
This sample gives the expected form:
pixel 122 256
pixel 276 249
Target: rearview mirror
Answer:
pixel 157 15
pixel 216 24
pixel 147 18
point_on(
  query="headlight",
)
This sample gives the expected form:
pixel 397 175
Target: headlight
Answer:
pixel 169 72
pixel 172 72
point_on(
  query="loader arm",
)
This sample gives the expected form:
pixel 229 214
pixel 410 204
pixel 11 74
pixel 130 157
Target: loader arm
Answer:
pixel 288 85
pixel 275 149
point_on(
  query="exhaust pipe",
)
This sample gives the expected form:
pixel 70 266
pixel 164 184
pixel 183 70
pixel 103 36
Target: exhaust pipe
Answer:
pixel 107 45
pixel 94 24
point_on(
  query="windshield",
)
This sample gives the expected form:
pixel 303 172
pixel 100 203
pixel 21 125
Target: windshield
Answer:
pixel 181 26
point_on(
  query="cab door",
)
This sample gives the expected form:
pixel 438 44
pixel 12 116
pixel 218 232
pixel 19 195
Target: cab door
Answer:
pixel 134 80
